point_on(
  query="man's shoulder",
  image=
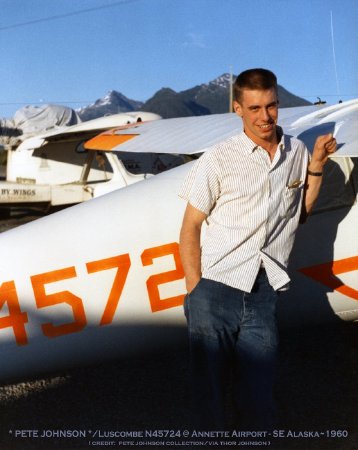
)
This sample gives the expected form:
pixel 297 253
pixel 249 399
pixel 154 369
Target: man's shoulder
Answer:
pixel 226 145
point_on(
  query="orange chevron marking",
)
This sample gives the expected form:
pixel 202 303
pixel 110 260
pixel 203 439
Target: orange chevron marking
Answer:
pixel 326 274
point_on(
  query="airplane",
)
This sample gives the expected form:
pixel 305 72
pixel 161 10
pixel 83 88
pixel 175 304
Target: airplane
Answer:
pixel 103 279
pixel 52 169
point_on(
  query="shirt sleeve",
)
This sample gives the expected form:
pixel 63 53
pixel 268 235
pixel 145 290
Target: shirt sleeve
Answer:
pixel 201 187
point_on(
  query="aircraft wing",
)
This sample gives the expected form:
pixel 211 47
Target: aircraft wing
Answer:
pixel 341 120
pixel 90 128
pixel 184 135
pixel 190 135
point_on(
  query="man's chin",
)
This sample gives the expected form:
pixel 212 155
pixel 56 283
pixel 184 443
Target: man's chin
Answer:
pixel 268 136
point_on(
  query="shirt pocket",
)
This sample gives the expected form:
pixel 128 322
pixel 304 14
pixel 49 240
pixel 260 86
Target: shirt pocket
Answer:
pixel 291 200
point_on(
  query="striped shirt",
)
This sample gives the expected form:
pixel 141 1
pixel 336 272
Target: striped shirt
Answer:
pixel 253 206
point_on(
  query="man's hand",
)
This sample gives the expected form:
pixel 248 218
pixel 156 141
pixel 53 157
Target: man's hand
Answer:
pixel 324 146
pixel 191 284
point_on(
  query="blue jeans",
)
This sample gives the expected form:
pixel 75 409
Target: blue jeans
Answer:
pixel 233 340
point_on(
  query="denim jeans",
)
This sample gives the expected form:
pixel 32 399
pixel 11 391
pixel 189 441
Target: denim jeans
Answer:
pixel 233 341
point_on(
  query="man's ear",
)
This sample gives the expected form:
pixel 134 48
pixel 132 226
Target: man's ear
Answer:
pixel 237 108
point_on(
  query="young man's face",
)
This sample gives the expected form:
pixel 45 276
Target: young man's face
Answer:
pixel 259 112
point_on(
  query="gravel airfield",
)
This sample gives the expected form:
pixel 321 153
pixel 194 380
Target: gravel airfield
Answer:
pixel 316 392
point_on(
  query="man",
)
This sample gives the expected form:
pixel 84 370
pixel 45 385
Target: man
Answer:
pixel 251 191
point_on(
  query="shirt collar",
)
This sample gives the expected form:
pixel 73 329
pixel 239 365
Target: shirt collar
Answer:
pixel 250 145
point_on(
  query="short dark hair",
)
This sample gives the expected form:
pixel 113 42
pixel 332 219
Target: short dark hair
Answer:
pixel 254 79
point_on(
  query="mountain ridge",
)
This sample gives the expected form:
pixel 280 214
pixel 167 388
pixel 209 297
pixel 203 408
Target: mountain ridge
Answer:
pixel 203 99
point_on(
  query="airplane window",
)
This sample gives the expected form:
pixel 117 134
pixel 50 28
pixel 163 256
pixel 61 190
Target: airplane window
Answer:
pixel 101 169
pixel 339 185
pixel 153 163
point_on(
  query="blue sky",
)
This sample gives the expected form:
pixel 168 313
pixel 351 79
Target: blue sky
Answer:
pixel 73 51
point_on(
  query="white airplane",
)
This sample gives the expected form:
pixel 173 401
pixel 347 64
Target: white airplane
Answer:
pixel 103 279
pixel 52 169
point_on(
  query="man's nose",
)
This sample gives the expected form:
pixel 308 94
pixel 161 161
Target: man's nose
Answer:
pixel 265 114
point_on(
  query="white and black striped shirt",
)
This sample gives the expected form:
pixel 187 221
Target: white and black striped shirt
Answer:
pixel 253 206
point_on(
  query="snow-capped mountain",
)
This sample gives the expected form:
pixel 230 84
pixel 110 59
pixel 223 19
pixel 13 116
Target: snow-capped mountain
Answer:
pixel 220 82
pixel 112 103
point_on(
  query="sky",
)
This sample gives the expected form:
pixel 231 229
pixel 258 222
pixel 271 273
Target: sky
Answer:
pixel 72 52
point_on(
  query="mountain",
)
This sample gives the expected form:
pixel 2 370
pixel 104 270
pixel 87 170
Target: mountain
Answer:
pixel 168 103
pixel 112 103
pixel 288 100
pixel 211 98
pixel 207 98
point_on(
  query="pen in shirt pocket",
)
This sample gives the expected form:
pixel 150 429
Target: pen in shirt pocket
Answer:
pixel 295 184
